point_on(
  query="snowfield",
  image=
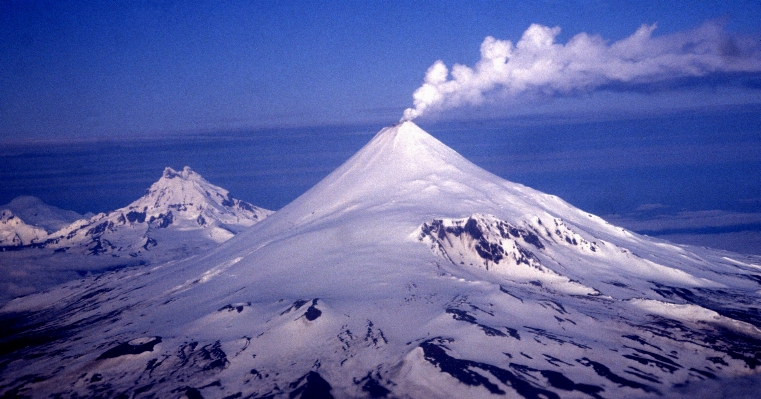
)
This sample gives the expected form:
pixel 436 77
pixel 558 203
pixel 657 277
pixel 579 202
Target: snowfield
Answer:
pixel 408 272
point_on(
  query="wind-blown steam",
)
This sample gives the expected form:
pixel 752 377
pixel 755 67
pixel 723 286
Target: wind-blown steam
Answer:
pixel 539 65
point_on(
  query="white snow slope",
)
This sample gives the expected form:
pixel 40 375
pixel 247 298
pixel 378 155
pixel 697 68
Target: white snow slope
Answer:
pixel 27 220
pixel 14 232
pixel 408 272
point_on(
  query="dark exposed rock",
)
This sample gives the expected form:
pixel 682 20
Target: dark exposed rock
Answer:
pixel 162 220
pixel 637 338
pixel 435 352
pixel 312 312
pixel 191 358
pixel 649 377
pixel 462 315
pixel 374 335
pixel 238 307
pixel 717 360
pixel 217 359
pixel 149 242
pixel 558 380
pixel 372 386
pixel 716 300
pixel 96 247
pixel 178 207
pixel 654 359
pixel 193 393
pixel 229 201
pixel 130 348
pixel 494 247
pixel 513 333
pixel 135 217
pixel 605 372
pixel 310 386
pixel 295 306
pixel 247 207
pixel 99 229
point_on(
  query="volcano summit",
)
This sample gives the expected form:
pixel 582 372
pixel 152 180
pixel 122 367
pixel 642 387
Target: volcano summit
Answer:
pixel 408 272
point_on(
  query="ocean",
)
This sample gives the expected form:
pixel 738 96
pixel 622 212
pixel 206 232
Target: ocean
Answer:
pixel 639 167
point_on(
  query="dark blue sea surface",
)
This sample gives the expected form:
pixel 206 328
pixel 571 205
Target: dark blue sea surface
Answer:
pixel 268 168
pixel 691 161
pixel 686 162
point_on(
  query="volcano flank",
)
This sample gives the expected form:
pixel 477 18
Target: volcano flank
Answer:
pixel 408 272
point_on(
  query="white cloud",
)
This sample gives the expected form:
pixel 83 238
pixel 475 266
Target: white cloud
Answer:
pixel 650 207
pixel 685 220
pixel 537 65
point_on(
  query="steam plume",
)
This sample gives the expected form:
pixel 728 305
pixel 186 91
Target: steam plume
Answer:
pixel 537 64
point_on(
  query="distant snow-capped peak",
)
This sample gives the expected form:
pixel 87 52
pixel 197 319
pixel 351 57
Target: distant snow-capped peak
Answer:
pixel 187 195
pixel 14 232
pixel 181 210
pixel 33 211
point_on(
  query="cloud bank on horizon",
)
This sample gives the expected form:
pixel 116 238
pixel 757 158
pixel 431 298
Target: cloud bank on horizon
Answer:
pixel 537 65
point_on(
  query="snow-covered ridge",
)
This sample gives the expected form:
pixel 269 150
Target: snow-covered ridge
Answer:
pixel 14 232
pixel 26 220
pixel 35 212
pixel 182 212
pixel 180 202
pixel 483 241
pixel 190 197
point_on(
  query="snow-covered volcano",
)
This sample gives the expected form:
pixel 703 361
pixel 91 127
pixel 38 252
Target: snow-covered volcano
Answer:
pixel 15 232
pixel 39 214
pixel 180 212
pixel 27 220
pixel 407 272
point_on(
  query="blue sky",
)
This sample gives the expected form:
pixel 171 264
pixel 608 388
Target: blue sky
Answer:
pixel 113 68
pixel 644 111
